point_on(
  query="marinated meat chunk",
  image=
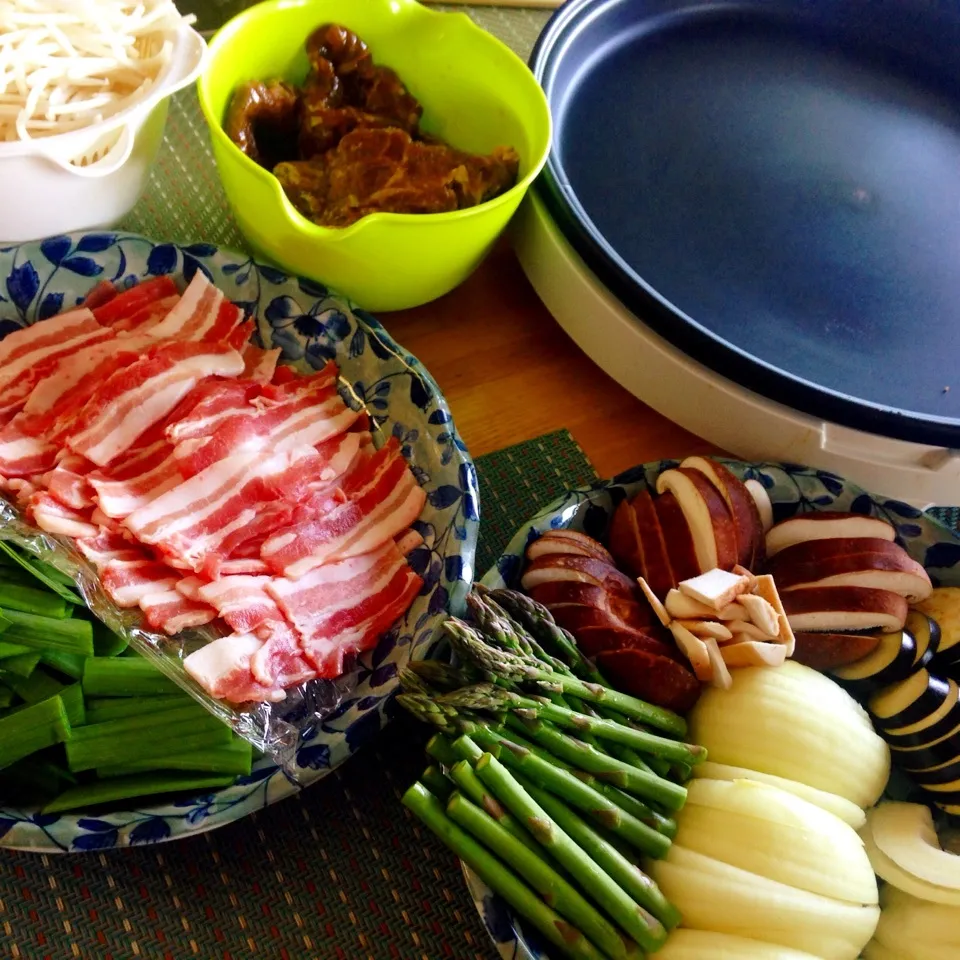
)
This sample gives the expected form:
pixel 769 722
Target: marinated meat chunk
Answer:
pixel 263 121
pixel 373 171
pixel 348 143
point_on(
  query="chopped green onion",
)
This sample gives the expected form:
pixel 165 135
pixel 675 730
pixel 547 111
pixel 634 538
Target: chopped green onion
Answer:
pixel 22 665
pixel 45 633
pixel 38 686
pixel 32 600
pixel 106 643
pixel 143 745
pixel 58 582
pixel 69 664
pixel 116 708
pixel 124 788
pixel 12 649
pixel 124 677
pixel 31 729
pixel 234 758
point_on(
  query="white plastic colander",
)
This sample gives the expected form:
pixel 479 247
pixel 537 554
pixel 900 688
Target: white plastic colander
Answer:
pixel 92 177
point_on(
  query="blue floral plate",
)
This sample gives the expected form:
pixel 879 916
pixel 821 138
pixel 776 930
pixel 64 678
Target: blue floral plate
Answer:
pixel 312 325
pixel 792 489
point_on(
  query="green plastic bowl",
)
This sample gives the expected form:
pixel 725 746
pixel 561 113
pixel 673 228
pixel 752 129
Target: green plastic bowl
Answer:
pixel 476 95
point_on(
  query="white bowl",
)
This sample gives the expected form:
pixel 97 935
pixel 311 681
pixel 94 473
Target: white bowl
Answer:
pixel 94 176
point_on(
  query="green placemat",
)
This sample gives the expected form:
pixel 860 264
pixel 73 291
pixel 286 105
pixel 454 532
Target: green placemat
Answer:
pixel 341 871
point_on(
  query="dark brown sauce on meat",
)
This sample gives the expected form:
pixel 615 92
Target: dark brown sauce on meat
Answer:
pixel 348 142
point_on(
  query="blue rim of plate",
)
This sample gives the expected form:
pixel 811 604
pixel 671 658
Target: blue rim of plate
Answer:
pixel 793 489
pixel 312 325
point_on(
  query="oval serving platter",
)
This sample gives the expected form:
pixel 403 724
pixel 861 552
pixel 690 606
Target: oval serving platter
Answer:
pixel 793 489
pixel 311 325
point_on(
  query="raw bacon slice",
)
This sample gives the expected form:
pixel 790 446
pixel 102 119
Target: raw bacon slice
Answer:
pixel 228 499
pixel 51 515
pixel 280 661
pixel 101 294
pixel 24 456
pixel 107 546
pixel 69 484
pixel 134 399
pixel 190 587
pixel 170 611
pixel 331 605
pixel 118 498
pixel 124 305
pixel 222 668
pixel 242 601
pixel 128 581
pixel 261 365
pixel 195 313
pixel 29 355
pixel 216 402
pixel 382 500
pixel 144 320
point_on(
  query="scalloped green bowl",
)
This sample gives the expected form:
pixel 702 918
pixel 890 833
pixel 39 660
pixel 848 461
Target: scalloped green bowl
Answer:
pixel 476 95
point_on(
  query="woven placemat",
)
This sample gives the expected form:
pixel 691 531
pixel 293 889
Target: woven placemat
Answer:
pixel 340 871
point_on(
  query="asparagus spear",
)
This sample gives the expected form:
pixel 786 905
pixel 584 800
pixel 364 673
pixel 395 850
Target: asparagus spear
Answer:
pixel 471 786
pixel 454 724
pixel 439 748
pixel 434 780
pixel 575 792
pixel 607 856
pixel 555 890
pixel 46 633
pixel 466 749
pixel 612 777
pixel 539 622
pixel 491 698
pixel 501 663
pixel 566 938
pixel 638 923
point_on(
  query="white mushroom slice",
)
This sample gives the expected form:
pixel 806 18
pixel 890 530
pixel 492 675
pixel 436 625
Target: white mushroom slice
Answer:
pixel 721 675
pixel 707 628
pixel 681 607
pixel 716 588
pixel 695 650
pixel 658 608
pixel 754 653
pixel 767 588
pixel 745 630
pixel 762 613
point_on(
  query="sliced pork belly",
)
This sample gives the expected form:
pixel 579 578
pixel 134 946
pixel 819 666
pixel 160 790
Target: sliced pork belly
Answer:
pixel 341 608
pixel 170 611
pixel 107 546
pixel 195 313
pixel 379 501
pixel 242 601
pixel 41 355
pixel 122 306
pixel 132 400
pixel 127 581
pixel 222 668
pixel 260 365
pixel 49 514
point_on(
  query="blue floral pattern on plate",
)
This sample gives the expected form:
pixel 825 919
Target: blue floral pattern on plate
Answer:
pixel 793 489
pixel 312 325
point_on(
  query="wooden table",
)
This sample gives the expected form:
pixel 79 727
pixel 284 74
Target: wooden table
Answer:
pixel 510 373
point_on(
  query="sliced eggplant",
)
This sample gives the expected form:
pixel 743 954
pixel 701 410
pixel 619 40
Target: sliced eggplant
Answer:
pixel 891 662
pixel 932 754
pixel 926 631
pixel 944 792
pixel 953 809
pixel 936 776
pixel 921 698
pixel 947 659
